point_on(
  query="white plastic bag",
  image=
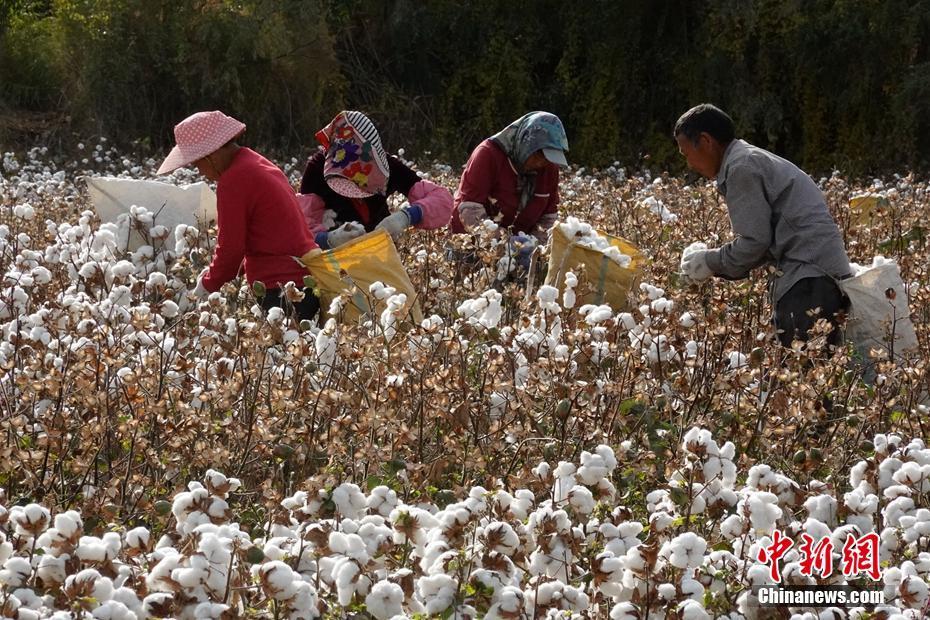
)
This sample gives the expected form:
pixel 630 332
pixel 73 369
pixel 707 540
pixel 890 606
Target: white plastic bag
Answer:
pixel 879 317
pixel 193 204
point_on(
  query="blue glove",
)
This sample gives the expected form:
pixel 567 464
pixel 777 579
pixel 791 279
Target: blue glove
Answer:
pixel 521 248
pixel 336 237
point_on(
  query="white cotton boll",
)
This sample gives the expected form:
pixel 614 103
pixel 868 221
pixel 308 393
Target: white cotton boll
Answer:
pixel 156 280
pixel 30 519
pixel 616 255
pixel 686 320
pixel 382 500
pixel 662 306
pixel 337 304
pixel 103 586
pixel 886 471
pixel 913 475
pixel 659 350
pixel 667 591
pixel 113 610
pixel 626 320
pixel 594 314
pixel 159 232
pixel 41 275
pixel 510 600
pixel 325 343
pixel 763 511
pixel 547 294
pixel 24 211
pixel 822 508
pixel 275 315
pixel 210 611
pixel 51 569
pixel 16 572
pixel 653 292
pixel 120 296
pixel 625 611
pixel 914 592
pixel 349 500
pixel 138 538
pixel 122 269
pixel 484 311
pixel 379 291
pixel 897 508
pixel 349 581
pixel 278 580
pixel 437 592
pixel 737 360
pixel 685 551
pixel 385 600
pixel 582 500
pixel 689 609
pixel 68 523
pixel 169 309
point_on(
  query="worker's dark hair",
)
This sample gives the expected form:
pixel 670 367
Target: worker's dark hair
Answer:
pixel 708 118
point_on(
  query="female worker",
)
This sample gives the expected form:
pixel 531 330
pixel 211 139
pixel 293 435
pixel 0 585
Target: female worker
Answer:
pixel 344 190
pixel 513 178
pixel 259 224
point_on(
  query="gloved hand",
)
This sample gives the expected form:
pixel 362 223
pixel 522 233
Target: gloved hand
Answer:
pixel 395 224
pixel 471 214
pixel 346 232
pixel 521 248
pixel 694 262
pixel 199 291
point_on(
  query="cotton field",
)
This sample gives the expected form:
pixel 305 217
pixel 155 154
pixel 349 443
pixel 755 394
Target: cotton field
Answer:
pixel 514 454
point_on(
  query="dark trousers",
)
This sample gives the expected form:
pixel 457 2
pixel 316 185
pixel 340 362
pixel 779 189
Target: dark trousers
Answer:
pixel 305 309
pixel 793 311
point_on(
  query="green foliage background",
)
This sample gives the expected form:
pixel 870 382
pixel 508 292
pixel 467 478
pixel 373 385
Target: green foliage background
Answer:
pixel 827 83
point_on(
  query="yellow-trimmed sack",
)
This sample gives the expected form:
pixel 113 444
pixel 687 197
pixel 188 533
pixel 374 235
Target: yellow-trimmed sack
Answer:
pixel 611 282
pixel 354 266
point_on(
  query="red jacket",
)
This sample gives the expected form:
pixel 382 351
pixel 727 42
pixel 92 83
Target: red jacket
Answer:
pixel 258 221
pixel 490 179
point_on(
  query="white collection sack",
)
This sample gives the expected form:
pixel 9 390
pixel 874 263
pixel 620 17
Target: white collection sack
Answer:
pixel 171 205
pixel 879 317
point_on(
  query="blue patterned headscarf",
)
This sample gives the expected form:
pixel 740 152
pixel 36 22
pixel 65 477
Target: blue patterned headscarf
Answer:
pixel 530 133
pixel 523 137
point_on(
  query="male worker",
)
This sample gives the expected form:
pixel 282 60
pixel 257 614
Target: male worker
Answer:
pixel 778 215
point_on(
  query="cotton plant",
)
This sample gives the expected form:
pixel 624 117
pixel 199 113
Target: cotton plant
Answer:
pixel 120 326
pixel 484 311
pixel 526 553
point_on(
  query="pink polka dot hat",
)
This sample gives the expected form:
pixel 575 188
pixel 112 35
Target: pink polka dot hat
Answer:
pixel 197 136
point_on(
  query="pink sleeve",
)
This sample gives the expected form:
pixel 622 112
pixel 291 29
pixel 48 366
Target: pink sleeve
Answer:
pixel 435 204
pixel 312 208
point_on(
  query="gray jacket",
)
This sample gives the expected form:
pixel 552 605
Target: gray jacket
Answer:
pixel 779 216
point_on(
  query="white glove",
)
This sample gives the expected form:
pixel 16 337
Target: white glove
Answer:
pixel 346 232
pixel 395 224
pixel 199 291
pixel 694 262
pixel 471 214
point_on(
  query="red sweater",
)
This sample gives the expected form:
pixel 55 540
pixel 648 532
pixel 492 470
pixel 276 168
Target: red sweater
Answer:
pixel 258 220
pixel 490 179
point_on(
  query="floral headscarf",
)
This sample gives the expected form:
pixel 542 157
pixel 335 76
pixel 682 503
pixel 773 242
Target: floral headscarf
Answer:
pixel 356 164
pixel 523 137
